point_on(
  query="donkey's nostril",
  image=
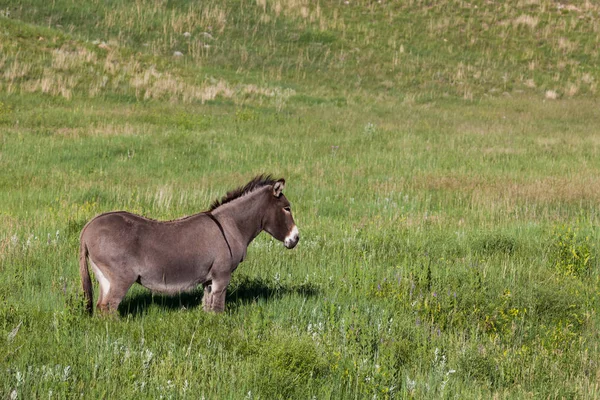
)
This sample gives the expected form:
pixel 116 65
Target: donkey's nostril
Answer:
pixel 290 244
pixel 291 240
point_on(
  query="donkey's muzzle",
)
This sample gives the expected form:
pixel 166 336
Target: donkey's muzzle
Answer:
pixel 292 239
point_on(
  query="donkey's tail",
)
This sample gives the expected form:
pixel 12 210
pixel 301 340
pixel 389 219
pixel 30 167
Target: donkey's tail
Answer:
pixel 86 282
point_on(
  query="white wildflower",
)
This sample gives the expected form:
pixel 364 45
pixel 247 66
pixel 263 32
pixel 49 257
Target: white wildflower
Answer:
pixel 410 384
pixel 14 332
pixel 66 373
pixel 147 355
pixel 20 378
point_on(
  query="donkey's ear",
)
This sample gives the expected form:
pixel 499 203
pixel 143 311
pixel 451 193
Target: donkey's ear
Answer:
pixel 278 187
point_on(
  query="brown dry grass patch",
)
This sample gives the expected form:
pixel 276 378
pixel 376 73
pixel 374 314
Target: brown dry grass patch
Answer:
pixel 9 225
pixel 483 190
pixel 103 130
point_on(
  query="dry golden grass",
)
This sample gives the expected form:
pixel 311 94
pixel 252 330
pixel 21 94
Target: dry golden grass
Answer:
pixel 9 225
pixel 105 129
pixel 53 83
pixel 134 16
pixel 566 45
pixel 302 11
pixel 551 94
pixel 72 58
pixel 76 68
pixel 15 70
pixel 571 89
pixel 527 20
pixel 483 190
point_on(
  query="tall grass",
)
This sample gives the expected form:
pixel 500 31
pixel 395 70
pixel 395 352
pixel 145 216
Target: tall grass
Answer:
pixel 446 201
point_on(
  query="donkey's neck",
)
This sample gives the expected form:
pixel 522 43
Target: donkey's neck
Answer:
pixel 244 215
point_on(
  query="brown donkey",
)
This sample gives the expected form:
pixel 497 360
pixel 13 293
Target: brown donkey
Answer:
pixel 176 256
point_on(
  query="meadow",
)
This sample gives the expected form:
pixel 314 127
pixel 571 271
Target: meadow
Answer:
pixel 441 158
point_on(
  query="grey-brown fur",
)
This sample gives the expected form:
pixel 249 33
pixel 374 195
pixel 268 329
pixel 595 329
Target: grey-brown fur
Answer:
pixel 176 256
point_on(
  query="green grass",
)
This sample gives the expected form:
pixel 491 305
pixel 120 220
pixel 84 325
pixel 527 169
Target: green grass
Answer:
pixel 447 202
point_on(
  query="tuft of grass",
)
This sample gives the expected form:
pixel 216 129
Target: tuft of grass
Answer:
pixel 571 252
pixel 289 367
pixel 495 243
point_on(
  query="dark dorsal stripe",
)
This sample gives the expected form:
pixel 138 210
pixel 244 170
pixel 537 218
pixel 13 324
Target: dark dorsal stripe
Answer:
pixel 257 182
pixel 222 232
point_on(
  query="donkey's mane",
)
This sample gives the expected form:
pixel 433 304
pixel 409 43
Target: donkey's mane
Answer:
pixel 256 183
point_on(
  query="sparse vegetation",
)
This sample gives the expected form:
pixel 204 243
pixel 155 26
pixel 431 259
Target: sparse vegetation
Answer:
pixel 441 160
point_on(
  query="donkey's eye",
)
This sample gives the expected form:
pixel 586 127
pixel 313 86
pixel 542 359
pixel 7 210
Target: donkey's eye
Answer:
pixel 287 209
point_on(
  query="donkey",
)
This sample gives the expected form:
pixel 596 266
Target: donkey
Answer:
pixel 175 256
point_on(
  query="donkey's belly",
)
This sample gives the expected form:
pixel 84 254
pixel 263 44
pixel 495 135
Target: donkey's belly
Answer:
pixel 169 288
pixel 172 281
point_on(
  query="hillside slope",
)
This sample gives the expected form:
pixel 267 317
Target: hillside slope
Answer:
pixel 416 50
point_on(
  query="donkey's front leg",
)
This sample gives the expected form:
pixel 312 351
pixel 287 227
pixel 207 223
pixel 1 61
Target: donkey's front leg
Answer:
pixel 207 298
pixel 216 298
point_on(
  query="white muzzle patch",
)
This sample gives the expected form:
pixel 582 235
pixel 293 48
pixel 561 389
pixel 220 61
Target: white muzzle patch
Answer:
pixel 291 240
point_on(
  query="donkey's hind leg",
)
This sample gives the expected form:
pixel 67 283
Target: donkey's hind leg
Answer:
pixel 104 284
pixel 112 288
pixel 115 294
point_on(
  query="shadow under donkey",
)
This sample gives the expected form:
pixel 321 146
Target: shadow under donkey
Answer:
pixel 241 291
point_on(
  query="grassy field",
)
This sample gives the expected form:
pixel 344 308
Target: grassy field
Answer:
pixel 442 160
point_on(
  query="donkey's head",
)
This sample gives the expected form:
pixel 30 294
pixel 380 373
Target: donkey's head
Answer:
pixel 278 220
